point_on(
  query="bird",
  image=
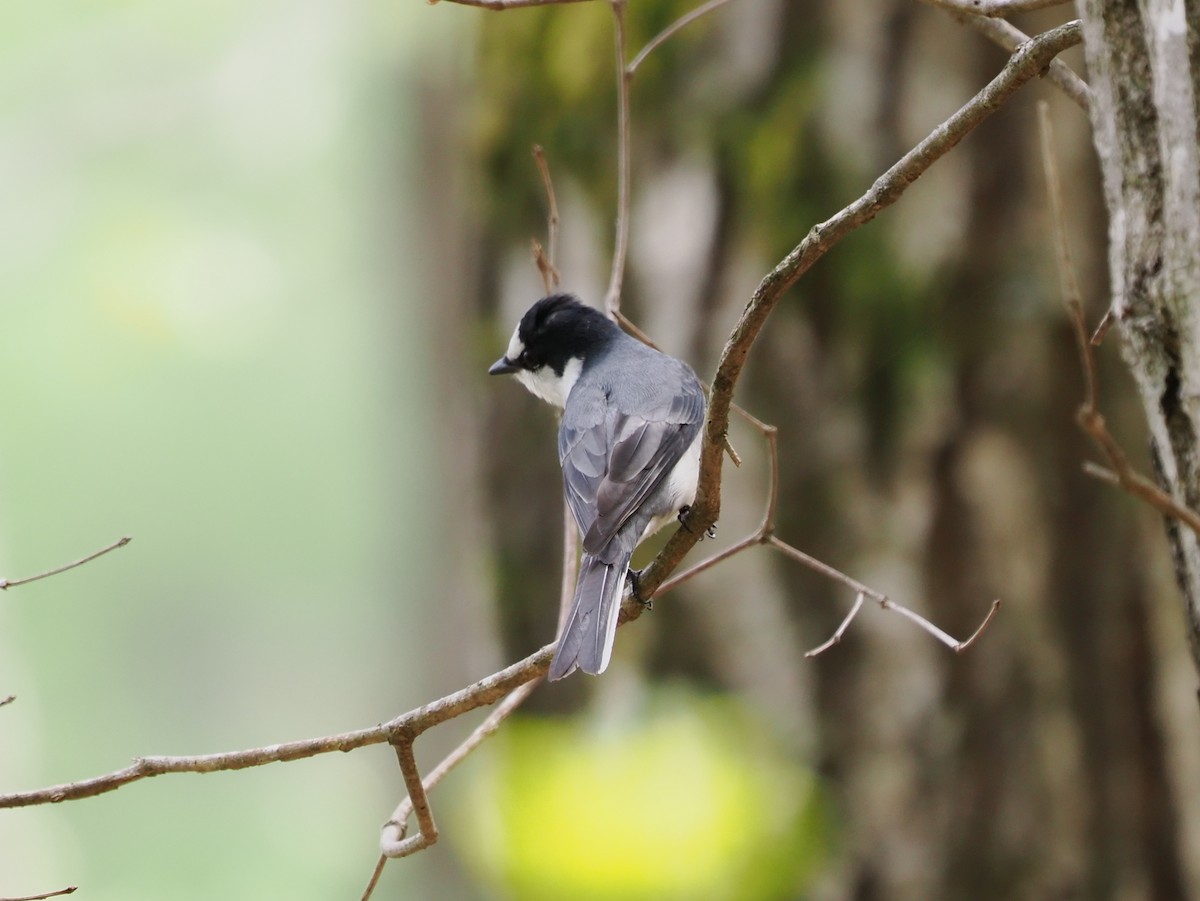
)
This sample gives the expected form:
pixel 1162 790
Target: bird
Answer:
pixel 628 444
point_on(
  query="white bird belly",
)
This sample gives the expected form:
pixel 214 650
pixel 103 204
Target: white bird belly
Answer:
pixel 680 488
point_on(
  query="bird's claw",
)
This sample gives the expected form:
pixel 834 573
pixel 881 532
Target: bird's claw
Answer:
pixel 710 532
pixel 634 575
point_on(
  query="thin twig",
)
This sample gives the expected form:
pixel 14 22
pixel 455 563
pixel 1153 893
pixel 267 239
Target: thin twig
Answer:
pixel 836 637
pixel 708 563
pixel 670 30
pixel 1069 285
pixel 884 601
pixel 768 523
pixel 1126 477
pixel 4 702
pixel 1106 322
pixel 374 880
pixel 765 534
pixel 12 583
pixel 1098 472
pixel 70 889
pixel 550 276
pixel 994 8
pixel 612 297
pixel 501 5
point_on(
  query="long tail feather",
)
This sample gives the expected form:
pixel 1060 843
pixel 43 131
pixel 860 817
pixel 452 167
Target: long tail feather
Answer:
pixel 587 637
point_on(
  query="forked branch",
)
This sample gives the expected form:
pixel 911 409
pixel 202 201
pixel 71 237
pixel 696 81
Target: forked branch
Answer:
pixel 765 535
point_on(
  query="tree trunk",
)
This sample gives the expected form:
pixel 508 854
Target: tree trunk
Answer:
pixel 1142 64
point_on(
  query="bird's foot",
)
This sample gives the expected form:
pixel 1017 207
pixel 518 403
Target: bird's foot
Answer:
pixel 710 532
pixel 634 576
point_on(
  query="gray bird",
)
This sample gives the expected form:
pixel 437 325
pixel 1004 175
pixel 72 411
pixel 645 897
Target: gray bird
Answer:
pixel 629 446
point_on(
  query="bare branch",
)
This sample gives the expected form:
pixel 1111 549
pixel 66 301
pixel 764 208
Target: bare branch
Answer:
pixel 417 800
pixel 374 880
pixel 1008 36
pixel 480 694
pixel 1098 472
pixel 765 534
pixel 979 630
pixel 396 827
pixel 994 8
pixel 70 889
pixel 836 637
pixel 392 838
pixel 612 298
pixel 12 583
pixel 1125 476
pixel 501 5
pixel 692 571
pixel 669 31
pixel 1069 285
pixel 546 263
pixel 884 601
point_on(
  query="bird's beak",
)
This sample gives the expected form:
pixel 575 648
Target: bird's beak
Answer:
pixel 502 367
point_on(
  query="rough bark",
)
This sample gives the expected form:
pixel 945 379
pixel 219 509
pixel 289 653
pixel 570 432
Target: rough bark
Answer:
pixel 1142 66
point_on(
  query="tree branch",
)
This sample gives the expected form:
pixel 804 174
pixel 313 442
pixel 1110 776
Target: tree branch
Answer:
pixel 417 801
pixel 994 8
pixel 546 262
pixel 501 5
pixel 13 583
pixel 479 694
pixel 70 889
pixel 1006 35
pixel 1028 62
pixel 612 297
pixel 669 32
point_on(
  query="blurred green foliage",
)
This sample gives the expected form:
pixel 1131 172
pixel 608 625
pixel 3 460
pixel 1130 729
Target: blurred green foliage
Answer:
pixel 691 798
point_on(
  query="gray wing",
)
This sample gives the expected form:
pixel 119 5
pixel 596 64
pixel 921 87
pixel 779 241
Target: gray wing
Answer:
pixel 613 460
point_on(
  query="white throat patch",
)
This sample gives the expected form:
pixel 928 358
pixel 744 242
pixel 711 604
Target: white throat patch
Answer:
pixel 549 385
